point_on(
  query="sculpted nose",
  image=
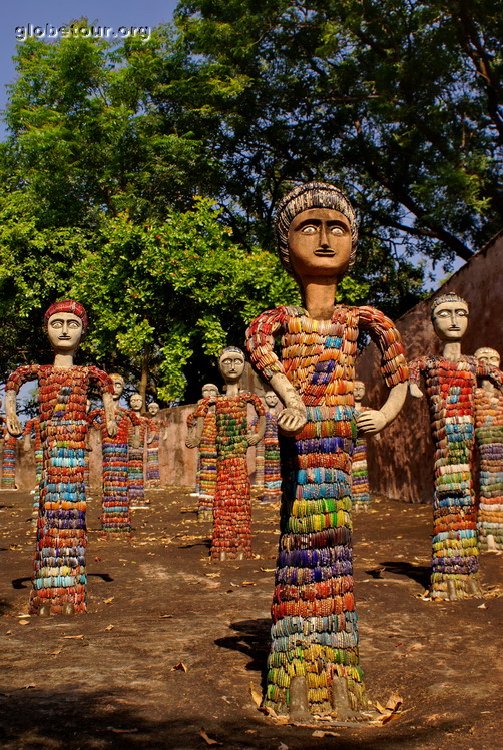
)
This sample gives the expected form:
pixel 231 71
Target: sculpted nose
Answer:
pixel 324 236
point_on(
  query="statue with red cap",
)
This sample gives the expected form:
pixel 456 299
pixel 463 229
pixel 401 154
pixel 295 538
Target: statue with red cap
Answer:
pixel 59 581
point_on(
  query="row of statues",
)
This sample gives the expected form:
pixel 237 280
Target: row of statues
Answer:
pixel 307 356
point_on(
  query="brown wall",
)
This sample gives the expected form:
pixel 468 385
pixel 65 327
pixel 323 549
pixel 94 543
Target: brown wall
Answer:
pixel 401 463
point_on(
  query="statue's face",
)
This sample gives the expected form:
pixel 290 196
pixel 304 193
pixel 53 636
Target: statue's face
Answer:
pixel 136 402
pixel 153 408
pixel 319 242
pixel 488 356
pixel 271 399
pixel 210 391
pixel 450 320
pixel 231 365
pixel 118 386
pixel 359 390
pixel 64 331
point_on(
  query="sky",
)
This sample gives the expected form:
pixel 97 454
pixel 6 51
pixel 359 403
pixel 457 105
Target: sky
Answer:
pixel 20 15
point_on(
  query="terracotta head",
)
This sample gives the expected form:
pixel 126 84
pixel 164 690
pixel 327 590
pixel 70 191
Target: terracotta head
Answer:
pixel 359 391
pixel 271 399
pixel 449 315
pixel 488 356
pixel 209 391
pixel 231 364
pixel 316 214
pixel 153 408
pixel 65 323
pixel 118 382
pixel 136 402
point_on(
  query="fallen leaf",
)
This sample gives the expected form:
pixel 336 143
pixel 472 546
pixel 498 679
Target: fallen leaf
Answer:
pixel 24 622
pixel 268 570
pixel 208 740
pixel 212 575
pixel 56 651
pixel 248 583
pixel 282 746
pixel 482 606
pixel 324 733
pixel 165 617
pixel 109 600
pixel 256 696
pixel 109 627
pixel 250 731
pixel 73 637
pixel 28 687
pixel 179 667
pixel 24 616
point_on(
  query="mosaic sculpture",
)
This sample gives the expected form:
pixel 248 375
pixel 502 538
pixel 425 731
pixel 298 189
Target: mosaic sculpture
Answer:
pixel 272 464
pixel 31 433
pixel 206 473
pixel 154 426
pixel 359 472
pixel 60 582
pixel 314 659
pixel 115 514
pixel 451 380
pixel 488 403
pixel 136 459
pixel 231 537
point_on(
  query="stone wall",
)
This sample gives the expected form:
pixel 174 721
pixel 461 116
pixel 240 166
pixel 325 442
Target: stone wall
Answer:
pixel 401 463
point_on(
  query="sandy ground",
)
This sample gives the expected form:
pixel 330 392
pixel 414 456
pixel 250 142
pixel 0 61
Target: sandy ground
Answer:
pixel 173 648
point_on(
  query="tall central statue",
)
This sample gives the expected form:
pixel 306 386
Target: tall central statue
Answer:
pixel 314 661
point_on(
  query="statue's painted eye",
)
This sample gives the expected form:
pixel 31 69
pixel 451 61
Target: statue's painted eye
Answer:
pixel 309 229
pixel 337 231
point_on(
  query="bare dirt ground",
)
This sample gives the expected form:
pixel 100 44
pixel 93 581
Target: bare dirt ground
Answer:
pixel 115 678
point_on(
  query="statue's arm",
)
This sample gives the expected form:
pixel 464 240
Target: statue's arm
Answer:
pixel 257 435
pixel 195 424
pixel 260 337
pixel 394 369
pixel 494 374
pixel 23 374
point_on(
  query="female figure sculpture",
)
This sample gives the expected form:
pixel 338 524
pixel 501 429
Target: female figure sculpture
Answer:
pixel 114 450
pixel 231 538
pixel 59 582
pixel 206 472
pixel 153 439
pixel 136 455
pixel 451 380
pixel 314 661
pixel 488 403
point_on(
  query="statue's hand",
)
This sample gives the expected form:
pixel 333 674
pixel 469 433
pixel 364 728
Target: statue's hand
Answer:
pixel 111 427
pixel 191 442
pixel 14 426
pixel 415 391
pixel 371 421
pixel 253 438
pixel 292 419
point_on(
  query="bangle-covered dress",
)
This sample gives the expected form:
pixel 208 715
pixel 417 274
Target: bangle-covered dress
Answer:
pixel 59 564
pixel 314 631
pixel 489 440
pixel 450 388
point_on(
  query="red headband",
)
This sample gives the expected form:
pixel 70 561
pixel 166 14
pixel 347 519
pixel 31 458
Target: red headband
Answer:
pixel 68 306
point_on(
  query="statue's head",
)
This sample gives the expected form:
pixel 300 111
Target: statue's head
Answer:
pixel 271 399
pixel 317 231
pixel 65 323
pixel 488 356
pixel 118 382
pixel 231 364
pixel 209 391
pixel 359 390
pixel 136 402
pixel 449 315
pixel 153 408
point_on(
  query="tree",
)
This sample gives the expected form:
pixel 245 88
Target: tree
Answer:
pixel 399 101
